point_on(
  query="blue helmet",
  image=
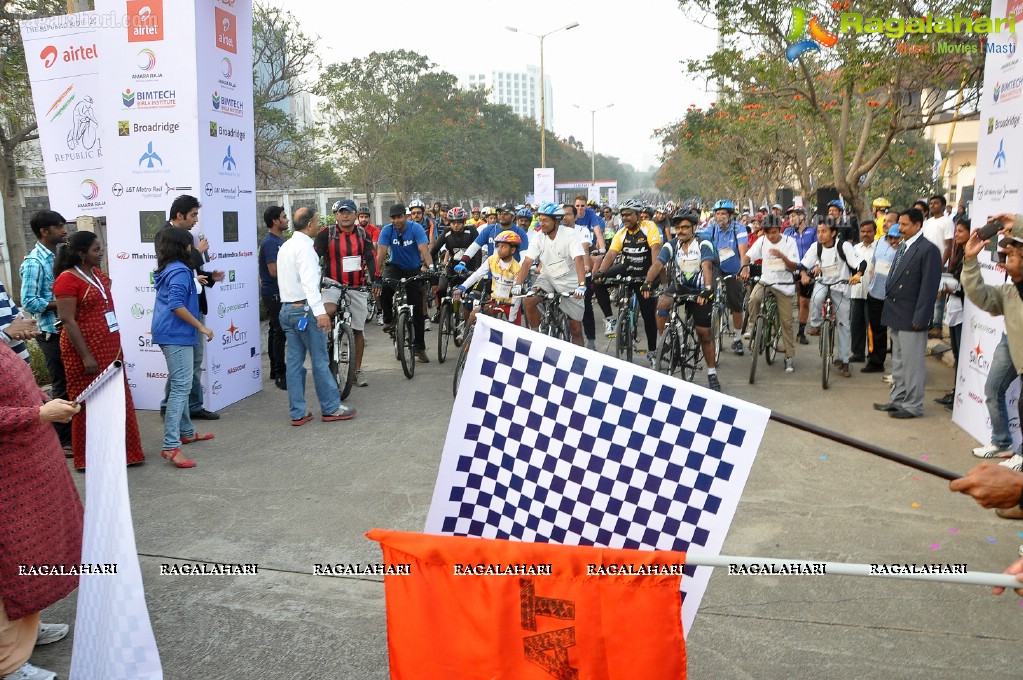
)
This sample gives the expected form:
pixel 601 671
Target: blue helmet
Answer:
pixel 551 210
pixel 837 204
pixel 525 212
pixel 724 205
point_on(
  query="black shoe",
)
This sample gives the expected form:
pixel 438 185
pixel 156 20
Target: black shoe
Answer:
pixel 857 359
pixel 282 383
pixel 889 407
pixel 802 339
pixel 388 327
pixel 947 399
pixel 901 414
pixel 435 318
pixel 163 412
pixel 203 414
pixel 872 368
pixel 713 382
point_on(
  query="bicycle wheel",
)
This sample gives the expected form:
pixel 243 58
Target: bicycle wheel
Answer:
pixel 623 341
pixel 344 360
pixel 444 331
pixel 667 359
pixel 689 354
pixel 716 327
pixel 756 347
pixel 826 352
pixel 405 339
pixel 459 327
pixel 771 336
pixel 460 364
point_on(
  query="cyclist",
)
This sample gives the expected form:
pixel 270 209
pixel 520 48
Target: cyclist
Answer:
pixel 474 219
pixel 560 253
pixel 831 262
pixel 502 269
pixel 586 236
pixel 731 241
pixel 404 247
pixel 805 236
pixel 880 206
pixel 690 263
pixel 639 245
pixel 347 252
pixel 456 240
pixel 489 216
pixel 780 258
pixel 524 218
pixel 488 233
pixel 417 214
pixel 363 221
pixel 848 229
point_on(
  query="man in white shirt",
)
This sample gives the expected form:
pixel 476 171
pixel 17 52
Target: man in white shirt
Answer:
pixel 560 252
pixel 858 318
pixel 780 256
pixel 939 229
pixel 305 323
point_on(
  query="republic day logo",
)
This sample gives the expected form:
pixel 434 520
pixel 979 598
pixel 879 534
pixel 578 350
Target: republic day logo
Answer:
pixel 818 37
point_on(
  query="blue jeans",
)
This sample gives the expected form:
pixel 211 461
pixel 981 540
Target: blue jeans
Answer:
pixel 841 302
pixel 177 422
pixel 195 393
pixel 313 341
pixel 999 378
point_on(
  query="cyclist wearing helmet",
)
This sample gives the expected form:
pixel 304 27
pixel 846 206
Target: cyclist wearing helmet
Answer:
pixel 502 269
pixel 805 237
pixel 731 242
pixel 524 218
pixel 586 238
pixel 490 215
pixel 474 218
pixel 880 207
pixel 455 241
pixel 662 221
pixel 639 245
pixel 780 257
pixel 847 228
pixel 690 264
pixel 362 219
pixel 486 237
pixel 417 213
pixel 561 254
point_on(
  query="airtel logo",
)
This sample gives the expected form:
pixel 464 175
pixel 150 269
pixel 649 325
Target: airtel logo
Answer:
pixel 48 55
pixel 229 3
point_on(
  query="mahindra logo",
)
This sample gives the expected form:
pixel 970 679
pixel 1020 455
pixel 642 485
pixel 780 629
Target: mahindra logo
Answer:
pixel 48 55
pixel 123 256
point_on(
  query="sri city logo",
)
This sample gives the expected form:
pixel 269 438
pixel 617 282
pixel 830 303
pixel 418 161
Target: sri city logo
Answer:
pixel 818 36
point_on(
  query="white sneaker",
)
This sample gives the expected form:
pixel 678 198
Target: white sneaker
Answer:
pixel 747 335
pixel 30 672
pixel 992 451
pixel 360 379
pixel 609 326
pixel 380 319
pixel 789 365
pixel 888 379
pixel 51 632
pixel 1014 463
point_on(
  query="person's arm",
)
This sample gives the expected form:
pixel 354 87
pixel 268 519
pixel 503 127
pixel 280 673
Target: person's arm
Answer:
pixel 524 266
pixel 476 275
pixel 992 486
pixel 369 258
pixel 67 307
pixel 984 296
pixel 186 316
pixel 612 251
pixel 930 280
pixel 382 251
pixel 424 252
pixel 438 243
pixel 947 253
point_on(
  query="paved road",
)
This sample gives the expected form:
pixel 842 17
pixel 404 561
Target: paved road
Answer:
pixel 288 498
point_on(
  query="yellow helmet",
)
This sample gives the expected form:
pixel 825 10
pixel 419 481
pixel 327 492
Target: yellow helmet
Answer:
pixel 881 203
pixel 489 211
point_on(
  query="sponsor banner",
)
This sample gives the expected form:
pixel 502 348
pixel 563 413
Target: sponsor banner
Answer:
pixel 543 184
pixel 62 54
pixel 997 190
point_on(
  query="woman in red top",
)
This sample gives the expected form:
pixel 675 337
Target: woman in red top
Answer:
pixel 89 339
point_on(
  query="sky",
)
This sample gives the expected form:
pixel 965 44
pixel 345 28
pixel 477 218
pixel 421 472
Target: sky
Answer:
pixel 627 54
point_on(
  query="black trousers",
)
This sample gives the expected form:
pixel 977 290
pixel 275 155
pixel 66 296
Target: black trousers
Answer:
pixel 415 295
pixel 49 344
pixel 878 333
pixel 603 299
pixel 275 337
pixel 858 321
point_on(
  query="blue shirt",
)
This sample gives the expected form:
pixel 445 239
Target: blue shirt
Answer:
pixel 404 248
pixel 37 286
pixel 489 232
pixel 726 244
pixel 590 219
pixel 175 287
pixel 8 312
pixel 804 240
pixel 884 255
pixel 268 248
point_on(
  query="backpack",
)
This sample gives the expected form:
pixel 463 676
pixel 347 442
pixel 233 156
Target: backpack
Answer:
pixel 839 242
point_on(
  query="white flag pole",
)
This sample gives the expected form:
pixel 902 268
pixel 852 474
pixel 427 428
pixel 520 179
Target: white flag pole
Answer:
pixel 771 565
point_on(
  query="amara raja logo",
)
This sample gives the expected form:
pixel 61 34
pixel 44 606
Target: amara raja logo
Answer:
pixel 90 190
pixel 818 36
pixel 145 20
pixel 146 59
pixel 227 30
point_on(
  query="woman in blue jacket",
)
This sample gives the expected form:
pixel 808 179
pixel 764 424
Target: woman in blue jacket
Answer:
pixel 174 329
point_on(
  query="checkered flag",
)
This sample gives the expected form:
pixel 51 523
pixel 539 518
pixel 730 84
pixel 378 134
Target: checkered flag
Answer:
pixel 549 442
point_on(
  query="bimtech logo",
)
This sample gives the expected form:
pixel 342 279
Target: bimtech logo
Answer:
pixel 90 190
pixel 128 97
pixel 216 100
pixel 818 36
pixel 147 59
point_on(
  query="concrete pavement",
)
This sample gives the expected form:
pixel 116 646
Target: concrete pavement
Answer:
pixel 289 498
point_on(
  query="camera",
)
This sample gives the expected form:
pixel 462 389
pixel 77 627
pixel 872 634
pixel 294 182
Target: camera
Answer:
pixel 989 230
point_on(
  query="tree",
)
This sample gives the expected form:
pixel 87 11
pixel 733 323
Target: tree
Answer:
pixel 17 117
pixel 282 55
pixel 849 101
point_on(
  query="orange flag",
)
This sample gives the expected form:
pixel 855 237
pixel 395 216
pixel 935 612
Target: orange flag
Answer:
pixel 484 609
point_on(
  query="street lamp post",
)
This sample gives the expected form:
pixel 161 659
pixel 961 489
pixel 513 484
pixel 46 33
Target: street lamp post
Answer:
pixel 593 139
pixel 543 86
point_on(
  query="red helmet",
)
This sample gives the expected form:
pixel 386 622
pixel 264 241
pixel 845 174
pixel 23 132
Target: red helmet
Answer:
pixel 508 236
pixel 458 214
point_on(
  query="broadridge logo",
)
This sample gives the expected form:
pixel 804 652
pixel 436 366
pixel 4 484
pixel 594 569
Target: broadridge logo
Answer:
pixel 1001 123
pixel 218 130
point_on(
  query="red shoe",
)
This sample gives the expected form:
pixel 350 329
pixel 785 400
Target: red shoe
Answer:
pixel 302 421
pixel 172 456
pixel 197 438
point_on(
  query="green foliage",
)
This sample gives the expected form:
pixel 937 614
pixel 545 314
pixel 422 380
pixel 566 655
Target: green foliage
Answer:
pixel 37 362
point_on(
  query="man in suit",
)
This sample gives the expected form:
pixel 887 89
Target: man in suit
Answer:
pixel 908 306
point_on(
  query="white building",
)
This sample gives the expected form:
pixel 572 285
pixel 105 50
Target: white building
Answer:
pixel 517 89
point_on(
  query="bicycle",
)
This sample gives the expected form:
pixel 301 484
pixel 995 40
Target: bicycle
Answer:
pixel 826 343
pixel 679 348
pixel 628 311
pixel 766 331
pixel 404 333
pixel 341 339
pixel 490 308
pixel 720 316
pixel 452 324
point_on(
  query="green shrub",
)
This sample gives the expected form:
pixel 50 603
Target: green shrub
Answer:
pixel 38 363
